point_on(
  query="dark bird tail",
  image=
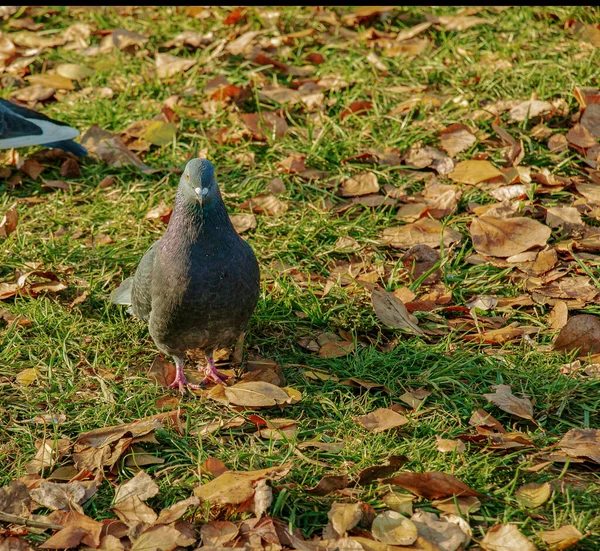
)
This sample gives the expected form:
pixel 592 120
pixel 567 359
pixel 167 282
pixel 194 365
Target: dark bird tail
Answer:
pixel 69 146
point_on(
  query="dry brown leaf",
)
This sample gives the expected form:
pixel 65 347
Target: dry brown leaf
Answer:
pixel 382 419
pixel 59 496
pixel 401 503
pixel 218 532
pixel 456 138
pixel 458 22
pixel 159 538
pixel 111 149
pixel 581 332
pixel 567 218
pixel 533 495
pixel 160 212
pixel 328 484
pixel 580 136
pixel 344 516
pixel 359 107
pixel 265 125
pixel 507 236
pixel 432 485
pixel 133 510
pixel 582 443
pixel 235 487
pixel 256 394
pixel 560 539
pixel 446 445
pixel 559 315
pixel 425 231
pixel 68 538
pixel 529 110
pixel 507 401
pixel 141 485
pixel 394 529
pixel 443 533
pixel 392 312
pixel 474 172
pixel 292 164
pixel 336 349
pixel 168 65
pixel 9 221
pixel 243 222
pixel 463 505
pixel 266 204
pixel 506 537
pixel 361 184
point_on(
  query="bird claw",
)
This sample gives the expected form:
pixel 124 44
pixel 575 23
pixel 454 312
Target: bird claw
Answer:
pixel 182 383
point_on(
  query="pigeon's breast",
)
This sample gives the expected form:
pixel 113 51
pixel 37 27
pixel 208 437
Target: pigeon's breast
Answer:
pixel 205 301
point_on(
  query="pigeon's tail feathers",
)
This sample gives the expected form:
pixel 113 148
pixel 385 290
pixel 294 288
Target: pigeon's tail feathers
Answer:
pixel 122 294
pixel 70 146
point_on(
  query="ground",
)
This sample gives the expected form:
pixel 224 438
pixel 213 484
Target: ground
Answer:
pixel 93 360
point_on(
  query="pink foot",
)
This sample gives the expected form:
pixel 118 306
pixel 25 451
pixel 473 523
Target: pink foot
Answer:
pixel 180 380
pixel 211 372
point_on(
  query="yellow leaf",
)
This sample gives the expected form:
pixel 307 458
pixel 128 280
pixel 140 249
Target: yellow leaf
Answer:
pixel 52 81
pixel 160 133
pixel 27 376
pixel 474 172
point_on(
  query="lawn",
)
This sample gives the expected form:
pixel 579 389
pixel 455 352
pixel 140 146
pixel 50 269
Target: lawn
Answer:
pixel 341 139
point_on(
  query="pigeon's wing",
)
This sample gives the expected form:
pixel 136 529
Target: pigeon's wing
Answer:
pixel 141 291
pixel 21 127
pixel 122 294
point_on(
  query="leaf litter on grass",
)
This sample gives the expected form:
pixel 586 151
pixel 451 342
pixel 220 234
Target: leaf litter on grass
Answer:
pixel 540 235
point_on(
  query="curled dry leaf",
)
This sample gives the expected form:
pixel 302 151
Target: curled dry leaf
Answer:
pixel 168 65
pixel 394 529
pixel 560 539
pixel 506 537
pixel 344 516
pixel 141 485
pixel 507 236
pixel 218 532
pixel 256 394
pixel 425 231
pixel 559 315
pixel 447 535
pixel 235 487
pixel 533 495
pixel 446 445
pixel 9 221
pixel 401 503
pixel 392 312
pixel 474 172
pixel 243 222
pixel 432 485
pixel 507 401
pixel 382 419
pixel 463 505
pixel 581 332
pixel 529 110
pixel 266 204
pixel 328 484
pixel 336 349
pixel 582 443
pixel 361 184
pixel 456 138
pixel 59 496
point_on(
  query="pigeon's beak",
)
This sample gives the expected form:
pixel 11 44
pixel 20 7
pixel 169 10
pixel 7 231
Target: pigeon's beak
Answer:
pixel 201 193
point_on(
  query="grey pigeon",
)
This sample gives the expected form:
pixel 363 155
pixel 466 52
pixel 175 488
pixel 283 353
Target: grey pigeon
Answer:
pixel 20 127
pixel 198 285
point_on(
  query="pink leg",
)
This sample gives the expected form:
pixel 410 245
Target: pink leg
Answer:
pixel 212 375
pixel 180 380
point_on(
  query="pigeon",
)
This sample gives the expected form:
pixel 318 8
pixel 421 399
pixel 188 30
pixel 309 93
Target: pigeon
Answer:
pixel 198 285
pixel 21 127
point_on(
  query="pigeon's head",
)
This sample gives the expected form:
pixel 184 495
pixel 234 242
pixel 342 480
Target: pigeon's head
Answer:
pixel 198 180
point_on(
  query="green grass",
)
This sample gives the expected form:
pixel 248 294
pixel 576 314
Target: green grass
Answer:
pixel 74 348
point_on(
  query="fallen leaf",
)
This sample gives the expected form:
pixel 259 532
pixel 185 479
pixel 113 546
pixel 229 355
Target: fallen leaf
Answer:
pixel 361 184
pixel 235 487
pixel 242 43
pixel 566 218
pixel 581 332
pixel 243 222
pixel 560 539
pixel 463 505
pixel 160 133
pixel 425 231
pixel 160 212
pixel 401 503
pixel 74 71
pixel 446 445
pixel 51 81
pixel 507 401
pixel 27 377
pixel 458 22
pixel 141 485
pixel 266 204
pixel 582 443
pixel 559 315
pixel 59 496
pixel 529 110
pixel 328 484
pixel 133 510
pixel 474 172
pixel 68 538
pixel 391 311
pixel 265 125
pixel 394 529
pixel 507 236
pixel 256 394
pixel 359 107
pixel 336 349
pixel 218 532
pixel 580 136
pixel 111 149
pixel 344 516
pixel 533 495
pixel 506 537
pixel 158 538
pixel 446 535
pixel 381 419
pixel 168 65
pixel 432 485
pixel 388 468
pixel 456 138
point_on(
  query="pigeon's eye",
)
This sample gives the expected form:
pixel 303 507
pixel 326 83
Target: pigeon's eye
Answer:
pixel 187 176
